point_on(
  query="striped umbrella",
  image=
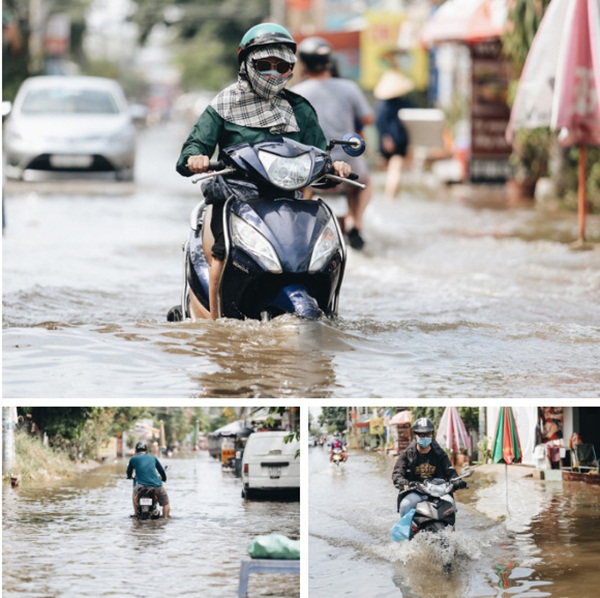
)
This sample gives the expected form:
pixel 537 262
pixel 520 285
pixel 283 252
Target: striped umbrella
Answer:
pixel 507 446
pixel 452 433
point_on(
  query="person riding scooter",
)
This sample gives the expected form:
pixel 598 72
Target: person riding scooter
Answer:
pixel 255 108
pixel 422 459
pixel 147 470
pixel 337 443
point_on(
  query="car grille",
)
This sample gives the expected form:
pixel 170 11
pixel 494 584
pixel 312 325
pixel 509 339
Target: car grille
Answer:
pixel 42 162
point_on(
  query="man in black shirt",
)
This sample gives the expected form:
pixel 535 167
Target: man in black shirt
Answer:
pixel 422 459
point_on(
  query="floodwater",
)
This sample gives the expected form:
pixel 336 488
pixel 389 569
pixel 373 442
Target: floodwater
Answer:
pixel 539 539
pixel 75 537
pixel 450 298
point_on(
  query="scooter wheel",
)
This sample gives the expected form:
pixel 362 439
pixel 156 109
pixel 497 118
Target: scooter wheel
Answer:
pixel 175 314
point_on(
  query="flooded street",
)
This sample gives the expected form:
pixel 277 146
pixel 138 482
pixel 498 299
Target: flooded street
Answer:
pixel 448 299
pixel 538 539
pixel 74 538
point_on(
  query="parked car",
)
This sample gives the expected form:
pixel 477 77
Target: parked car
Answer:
pixel 312 441
pixel 270 465
pixel 69 124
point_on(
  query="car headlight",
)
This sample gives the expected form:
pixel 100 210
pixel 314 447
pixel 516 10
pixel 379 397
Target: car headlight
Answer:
pixel 327 243
pixel 287 173
pixel 124 136
pixel 17 135
pixel 247 237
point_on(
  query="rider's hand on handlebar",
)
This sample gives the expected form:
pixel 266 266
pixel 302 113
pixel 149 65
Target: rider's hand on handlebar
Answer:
pixel 342 169
pixel 198 164
pixel 458 484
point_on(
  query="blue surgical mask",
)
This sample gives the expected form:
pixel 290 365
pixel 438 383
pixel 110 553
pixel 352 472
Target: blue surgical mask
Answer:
pixel 424 442
pixel 272 73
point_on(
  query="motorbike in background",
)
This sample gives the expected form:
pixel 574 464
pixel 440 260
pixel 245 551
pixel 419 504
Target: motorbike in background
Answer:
pixel 337 456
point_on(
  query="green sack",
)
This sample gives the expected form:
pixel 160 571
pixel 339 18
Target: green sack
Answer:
pixel 274 546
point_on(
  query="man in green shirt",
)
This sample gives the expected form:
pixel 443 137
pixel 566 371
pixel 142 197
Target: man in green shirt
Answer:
pixel 255 108
pixel 148 473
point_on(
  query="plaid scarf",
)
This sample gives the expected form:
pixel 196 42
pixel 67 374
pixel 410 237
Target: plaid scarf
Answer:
pixel 255 100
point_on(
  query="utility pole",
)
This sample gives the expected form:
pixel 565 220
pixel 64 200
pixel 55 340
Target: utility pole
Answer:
pixel 38 13
pixel 9 454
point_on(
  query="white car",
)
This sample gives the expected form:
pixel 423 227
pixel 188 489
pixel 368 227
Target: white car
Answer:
pixel 270 465
pixel 69 124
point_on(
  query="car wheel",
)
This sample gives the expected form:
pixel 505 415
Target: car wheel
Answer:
pixel 125 175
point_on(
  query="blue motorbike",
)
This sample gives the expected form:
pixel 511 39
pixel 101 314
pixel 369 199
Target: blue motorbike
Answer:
pixel 283 253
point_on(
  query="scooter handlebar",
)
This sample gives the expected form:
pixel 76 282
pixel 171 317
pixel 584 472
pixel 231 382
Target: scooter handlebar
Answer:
pixel 352 179
pixel 216 165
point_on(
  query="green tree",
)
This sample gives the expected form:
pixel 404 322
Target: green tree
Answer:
pixel 68 422
pixel 122 418
pixel 335 418
pixel 206 35
pixel 17 29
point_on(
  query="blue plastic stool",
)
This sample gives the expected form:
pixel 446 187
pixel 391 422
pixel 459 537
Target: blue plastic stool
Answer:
pixel 249 566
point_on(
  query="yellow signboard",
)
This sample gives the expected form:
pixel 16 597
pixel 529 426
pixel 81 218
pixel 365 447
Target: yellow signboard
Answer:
pixel 379 43
pixel 376 425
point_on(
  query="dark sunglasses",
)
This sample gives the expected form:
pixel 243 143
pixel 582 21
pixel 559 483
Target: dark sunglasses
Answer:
pixel 282 66
pixel 424 434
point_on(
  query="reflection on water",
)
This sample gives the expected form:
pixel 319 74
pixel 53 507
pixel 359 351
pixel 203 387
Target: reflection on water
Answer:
pixel 75 538
pixel 546 544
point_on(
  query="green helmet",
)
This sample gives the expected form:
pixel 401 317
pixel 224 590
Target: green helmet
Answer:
pixel 265 34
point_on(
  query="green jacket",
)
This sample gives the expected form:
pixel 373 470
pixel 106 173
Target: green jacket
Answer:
pixel 211 131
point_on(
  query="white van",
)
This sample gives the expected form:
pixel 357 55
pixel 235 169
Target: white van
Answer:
pixel 270 465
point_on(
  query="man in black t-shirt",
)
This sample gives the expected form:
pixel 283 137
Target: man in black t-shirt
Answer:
pixel 422 459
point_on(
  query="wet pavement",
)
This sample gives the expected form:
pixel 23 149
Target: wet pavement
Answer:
pixel 530 538
pixel 75 537
pixel 454 295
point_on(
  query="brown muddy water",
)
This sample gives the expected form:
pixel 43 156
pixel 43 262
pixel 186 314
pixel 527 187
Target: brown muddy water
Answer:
pixel 448 299
pixel 539 539
pixel 75 537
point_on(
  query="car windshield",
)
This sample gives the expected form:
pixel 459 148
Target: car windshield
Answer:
pixel 55 100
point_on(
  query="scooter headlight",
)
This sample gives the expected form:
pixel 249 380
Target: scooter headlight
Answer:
pixel 327 244
pixel 246 236
pixel 287 173
pixel 438 490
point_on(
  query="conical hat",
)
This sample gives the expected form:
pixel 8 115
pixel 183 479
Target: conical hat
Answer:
pixel 392 85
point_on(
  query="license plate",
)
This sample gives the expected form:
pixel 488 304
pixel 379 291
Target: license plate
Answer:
pixel 71 161
pixel 146 502
pixel 274 472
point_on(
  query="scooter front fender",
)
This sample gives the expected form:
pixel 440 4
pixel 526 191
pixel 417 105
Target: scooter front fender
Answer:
pixel 295 299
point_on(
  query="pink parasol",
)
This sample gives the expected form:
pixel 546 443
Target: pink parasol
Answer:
pixel 452 433
pixel 467 21
pixel 560 83
pixel 401 418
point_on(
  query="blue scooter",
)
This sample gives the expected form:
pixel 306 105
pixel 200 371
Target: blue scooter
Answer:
pixel 283 253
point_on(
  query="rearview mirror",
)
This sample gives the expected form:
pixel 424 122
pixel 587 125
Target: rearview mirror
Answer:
pixel 352 144
pixel 6 109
